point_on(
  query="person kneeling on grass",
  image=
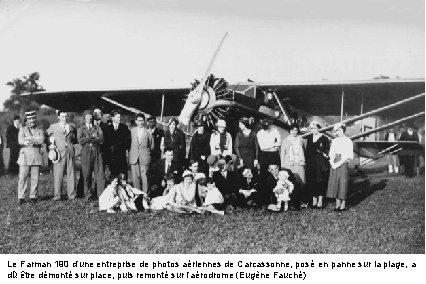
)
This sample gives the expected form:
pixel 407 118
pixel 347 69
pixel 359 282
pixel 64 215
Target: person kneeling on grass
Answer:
pixel 283 189
pixel 120 196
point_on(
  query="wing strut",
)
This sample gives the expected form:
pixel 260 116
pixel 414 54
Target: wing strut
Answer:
pixel 386 126
pixel 370 113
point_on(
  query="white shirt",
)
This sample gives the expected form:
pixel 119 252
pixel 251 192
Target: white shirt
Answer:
pixel 269 140
pixel 343 146
pixel 213 196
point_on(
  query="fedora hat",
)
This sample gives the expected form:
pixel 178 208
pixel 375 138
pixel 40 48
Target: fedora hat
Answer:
pixel 53 155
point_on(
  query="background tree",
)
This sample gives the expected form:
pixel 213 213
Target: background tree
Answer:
pixel 18 103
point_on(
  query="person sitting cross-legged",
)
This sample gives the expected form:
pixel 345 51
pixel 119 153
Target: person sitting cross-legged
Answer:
pixel 182 196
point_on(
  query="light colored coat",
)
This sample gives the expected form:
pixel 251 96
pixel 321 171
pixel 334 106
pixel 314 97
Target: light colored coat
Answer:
pixel 30 155
pixel 140 150
pixel 215 144
pixel 63 140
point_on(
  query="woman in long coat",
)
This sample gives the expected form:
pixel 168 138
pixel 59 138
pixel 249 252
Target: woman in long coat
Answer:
pixel 317 165
pixel 199 148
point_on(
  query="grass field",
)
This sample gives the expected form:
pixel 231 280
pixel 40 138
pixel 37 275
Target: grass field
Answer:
pixel 386 215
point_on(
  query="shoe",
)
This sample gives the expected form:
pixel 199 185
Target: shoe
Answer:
pixel 313 207
pixel 21 201
pixel 110 211
pixel 337 210
pixel 33 200
pixel 319 207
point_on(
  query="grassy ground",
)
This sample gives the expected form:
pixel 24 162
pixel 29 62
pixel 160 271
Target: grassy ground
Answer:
pixel 386 215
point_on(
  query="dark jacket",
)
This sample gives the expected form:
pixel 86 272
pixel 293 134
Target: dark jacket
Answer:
pixel 229 185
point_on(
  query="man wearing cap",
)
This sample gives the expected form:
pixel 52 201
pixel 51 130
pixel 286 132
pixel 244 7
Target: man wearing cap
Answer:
pixel 30 159
pixel 13 144
pixel 90 137
pixel 63 136
pixel 141 146
pixel 157 135
pixel 269 141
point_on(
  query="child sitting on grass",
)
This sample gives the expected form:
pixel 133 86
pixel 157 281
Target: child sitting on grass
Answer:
pixel 283 189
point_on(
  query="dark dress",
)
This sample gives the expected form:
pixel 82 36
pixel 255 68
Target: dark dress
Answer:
pixel 13 145
pixel 246 148
pixel 200 146
pixel 317 166
pixel 177 142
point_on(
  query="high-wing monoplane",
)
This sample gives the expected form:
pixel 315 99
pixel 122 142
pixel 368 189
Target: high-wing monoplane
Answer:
pixel 213 98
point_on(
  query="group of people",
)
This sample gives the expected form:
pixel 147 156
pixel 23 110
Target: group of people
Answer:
pixel 408 164
pixel 253 169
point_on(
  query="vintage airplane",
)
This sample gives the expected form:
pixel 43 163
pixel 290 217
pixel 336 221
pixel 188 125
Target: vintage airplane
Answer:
pixel 212 98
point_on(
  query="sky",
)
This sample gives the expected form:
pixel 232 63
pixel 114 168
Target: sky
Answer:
pixel 107 44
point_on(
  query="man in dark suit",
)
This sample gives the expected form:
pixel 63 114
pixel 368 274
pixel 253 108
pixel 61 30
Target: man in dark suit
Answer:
pixel 157 135
pixel 97 121
pixel 117 142
pixel 227 182
pixel 159 170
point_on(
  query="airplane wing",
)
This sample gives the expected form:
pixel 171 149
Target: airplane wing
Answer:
pixel 325 97
pixel 373 149
pixel 145 100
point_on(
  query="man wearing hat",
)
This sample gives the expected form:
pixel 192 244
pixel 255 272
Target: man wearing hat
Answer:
pixel 30 159
pixel 90 137
pixel 157 135
pixel 13 144
pixel 63 136
pixel 269 141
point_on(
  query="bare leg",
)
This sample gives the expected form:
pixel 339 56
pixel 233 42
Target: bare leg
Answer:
pixel 314 201
pixel 338 203
pixel 343 204
pixel 319 204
